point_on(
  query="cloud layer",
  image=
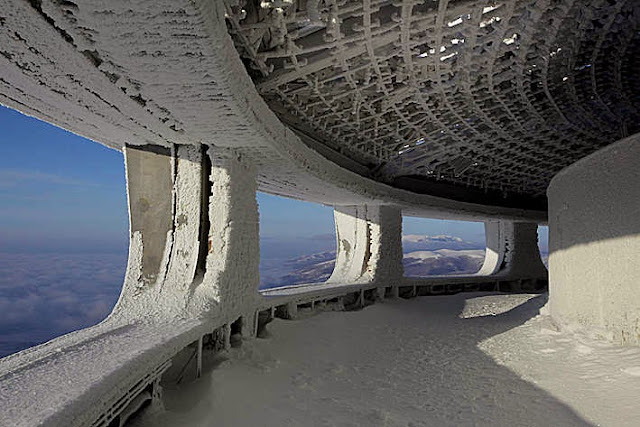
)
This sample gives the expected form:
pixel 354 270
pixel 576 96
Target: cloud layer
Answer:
pixel 46 295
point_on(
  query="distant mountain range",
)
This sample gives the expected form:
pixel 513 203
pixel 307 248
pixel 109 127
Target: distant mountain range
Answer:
pixel 306 269
pixel 424 256
pixel 442 262
pixel 419 238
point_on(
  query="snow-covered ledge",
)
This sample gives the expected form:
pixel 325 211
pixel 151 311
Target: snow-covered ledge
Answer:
pixel 594 237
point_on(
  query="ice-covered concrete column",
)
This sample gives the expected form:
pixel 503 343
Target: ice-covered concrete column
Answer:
pixel 164 188
pixel 369 244
pixel 512 251
pixel 385 253
pixel 594 238
pixel 194 233
pixel 230 283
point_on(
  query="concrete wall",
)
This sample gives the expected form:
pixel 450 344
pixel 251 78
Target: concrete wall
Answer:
pixel 594 237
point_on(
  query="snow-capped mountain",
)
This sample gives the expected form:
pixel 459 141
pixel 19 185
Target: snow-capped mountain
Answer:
pixel 424 256
pixel 419 238
pixel 421 242
pixel 442 262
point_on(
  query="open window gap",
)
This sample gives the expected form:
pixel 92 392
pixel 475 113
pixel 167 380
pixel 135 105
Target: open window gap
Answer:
pixel 433 247
pixel 297 242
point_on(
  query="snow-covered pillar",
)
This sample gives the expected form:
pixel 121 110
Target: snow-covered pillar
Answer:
pixel 594 239
pixel 512 251
pixel 495 248
pixel 385 252
pixel 194 234
pixel 164 188
pixel 369 244
pixel 231 279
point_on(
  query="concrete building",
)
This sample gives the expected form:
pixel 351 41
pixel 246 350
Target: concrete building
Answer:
pixel 516 113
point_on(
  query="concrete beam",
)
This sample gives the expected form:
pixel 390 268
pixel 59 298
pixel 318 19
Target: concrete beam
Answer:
pixel 594 236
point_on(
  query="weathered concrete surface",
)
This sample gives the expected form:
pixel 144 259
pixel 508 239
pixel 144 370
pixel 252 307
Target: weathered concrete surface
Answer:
pixel 594 237
pixel 173 195
pixel 495 248
pixel 150 195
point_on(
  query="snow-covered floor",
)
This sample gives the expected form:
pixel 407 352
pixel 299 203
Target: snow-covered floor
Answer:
pixel 466 359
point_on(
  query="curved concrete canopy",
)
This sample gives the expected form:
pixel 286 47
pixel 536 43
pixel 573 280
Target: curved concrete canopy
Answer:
pixel 478 100
pixel 166 72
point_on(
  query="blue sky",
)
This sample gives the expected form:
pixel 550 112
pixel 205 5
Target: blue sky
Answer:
pixel 58 190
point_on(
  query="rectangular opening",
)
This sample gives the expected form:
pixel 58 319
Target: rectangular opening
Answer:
pixel 438 289
pixel 351 300
pixel 423 290
pixel 297 242
pixel 405 291
pixel 183 367
pixel 433 247
pixel 305 306
pixel 264 318
pixel 65 230
pixel 215 340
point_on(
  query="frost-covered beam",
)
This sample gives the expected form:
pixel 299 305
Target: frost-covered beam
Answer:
pixel 194 233
pixel 512 251
pixel 369 244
